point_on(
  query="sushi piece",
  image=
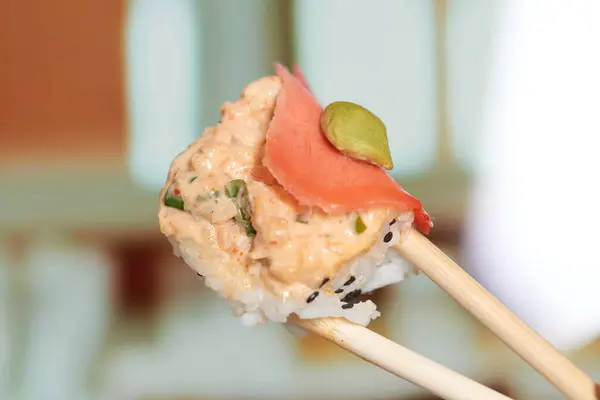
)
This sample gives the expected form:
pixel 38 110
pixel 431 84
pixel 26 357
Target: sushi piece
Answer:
pixel 279 222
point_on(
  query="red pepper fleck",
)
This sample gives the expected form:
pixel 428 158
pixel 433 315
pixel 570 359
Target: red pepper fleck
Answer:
pixel 176 192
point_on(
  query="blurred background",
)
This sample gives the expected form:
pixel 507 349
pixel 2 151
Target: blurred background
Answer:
pixel 97 97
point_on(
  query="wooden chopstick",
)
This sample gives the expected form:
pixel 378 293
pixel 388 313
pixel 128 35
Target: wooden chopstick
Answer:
pixel 398 360
pixel 523 340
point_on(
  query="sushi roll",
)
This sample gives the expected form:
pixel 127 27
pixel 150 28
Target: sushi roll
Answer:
pixel 276 219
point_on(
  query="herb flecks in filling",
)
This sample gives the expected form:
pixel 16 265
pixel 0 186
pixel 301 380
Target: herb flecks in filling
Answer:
pixel 233 188
pixel 359 225
pixel 173 199
pixel 237 191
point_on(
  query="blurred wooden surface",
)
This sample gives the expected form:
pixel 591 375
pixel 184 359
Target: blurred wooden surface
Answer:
pixel 61 80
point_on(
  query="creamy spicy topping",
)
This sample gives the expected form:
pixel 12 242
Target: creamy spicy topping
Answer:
pixel 218 196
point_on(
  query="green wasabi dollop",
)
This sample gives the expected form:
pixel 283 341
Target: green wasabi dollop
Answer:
pixel 357 132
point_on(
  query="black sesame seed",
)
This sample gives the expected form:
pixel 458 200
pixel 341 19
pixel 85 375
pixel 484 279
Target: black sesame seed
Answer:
pixel 388 237
pixel 347 305
pixel 201 276
pixel 338 291
pixel 350 281
pixel 352 295
pixel 393 222
pixel 324 282
pixel 312 297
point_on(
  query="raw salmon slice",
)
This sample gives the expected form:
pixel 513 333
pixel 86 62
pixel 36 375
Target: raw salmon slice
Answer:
pixel 307 166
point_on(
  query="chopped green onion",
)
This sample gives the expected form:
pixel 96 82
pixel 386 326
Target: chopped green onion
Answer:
pixel 237 191
pixel 303 219
pixel 193 178
pixel 359 225
pixel 243 218
pixel 250 231
pixel 233 188
pixel 174 201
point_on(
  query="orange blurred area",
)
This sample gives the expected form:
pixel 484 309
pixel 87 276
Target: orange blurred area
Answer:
pixel 62 80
